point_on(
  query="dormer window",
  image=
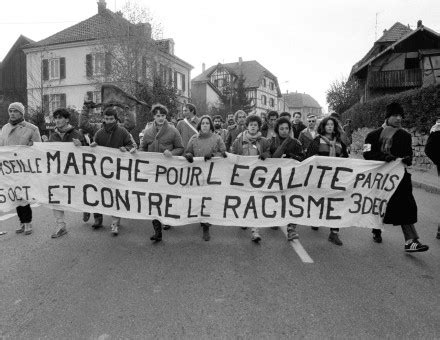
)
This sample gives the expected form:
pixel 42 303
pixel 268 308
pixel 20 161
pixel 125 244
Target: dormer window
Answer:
pixel 264 82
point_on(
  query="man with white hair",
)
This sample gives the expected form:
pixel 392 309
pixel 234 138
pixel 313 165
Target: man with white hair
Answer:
pixel 19 132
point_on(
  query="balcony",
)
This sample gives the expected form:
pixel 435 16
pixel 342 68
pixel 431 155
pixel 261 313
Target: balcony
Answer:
pixel 395 79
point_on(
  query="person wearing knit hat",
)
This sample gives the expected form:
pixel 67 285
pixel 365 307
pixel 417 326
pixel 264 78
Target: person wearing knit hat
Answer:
pixel 19 132
pixel 388 143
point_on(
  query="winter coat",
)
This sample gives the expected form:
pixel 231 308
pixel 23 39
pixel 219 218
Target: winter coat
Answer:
pixel 185 131
pixel 233 132
pixel 292 148
pixel 201 145
pixel 222 133
pixel 115 138
pixel 315 149
pixel 262 145
pixel 305 138
pixel 167 138
pixel 68 136
pixel 297 128
pixel 19 134
pixel 128 121
pixel 402 207
pixel 432 148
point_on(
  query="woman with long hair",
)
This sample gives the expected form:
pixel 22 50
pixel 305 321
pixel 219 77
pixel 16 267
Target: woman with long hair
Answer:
pixel 206 143
pixel 328 143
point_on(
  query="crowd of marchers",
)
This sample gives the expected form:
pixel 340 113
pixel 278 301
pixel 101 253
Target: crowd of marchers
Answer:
pixel 274 135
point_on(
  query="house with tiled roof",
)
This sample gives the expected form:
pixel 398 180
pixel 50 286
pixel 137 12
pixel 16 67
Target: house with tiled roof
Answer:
pixel 261 85
pixel 401 59
pixel 303 103
pixel 69 66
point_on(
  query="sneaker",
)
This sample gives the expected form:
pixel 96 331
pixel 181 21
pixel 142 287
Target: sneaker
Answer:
pixel 315 228
pixel 206 235
pixel 20 229
pixel 98 223
pixel 114 229
pixel 292 234
pixel 377 237
pixel 334 238
pixel 415 246
pixel 60 232
pixel 166 227
pixel 28 228
pixel 86 216
pixel 157 226
pixel 255 237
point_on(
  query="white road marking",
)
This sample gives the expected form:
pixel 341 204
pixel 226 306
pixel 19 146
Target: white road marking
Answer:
pixel 8 216
pixel 297 246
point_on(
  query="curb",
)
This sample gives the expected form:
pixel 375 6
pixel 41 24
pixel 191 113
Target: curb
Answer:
pixel 427 187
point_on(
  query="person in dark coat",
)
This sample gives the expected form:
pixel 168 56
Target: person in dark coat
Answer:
pixel 112 135
pixel 282 145
pixel 63 132
pixel 388 143
pixel 236 129
pixel 328 143
pixel 268 128
pixel 297 125
pixel 432 150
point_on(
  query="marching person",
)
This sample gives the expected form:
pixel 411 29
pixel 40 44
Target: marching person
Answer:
pixel 187 127
pixel 19 132
pixel 328 143
pixel 297 124
pixel 63 132
pixel 236 129
pixel 218 127
pixel 206 143
pixel 432 150
pixel 307 135
pixel 112 135
pixel 251 143
pixel 388 143
pixel 284 146
pixel 268 129
pixel 162 137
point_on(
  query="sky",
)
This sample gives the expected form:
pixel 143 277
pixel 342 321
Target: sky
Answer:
pixel 306 44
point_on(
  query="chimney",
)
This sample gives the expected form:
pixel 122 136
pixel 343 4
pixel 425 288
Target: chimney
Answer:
pixel 419 23
pixel 101 6
pixel 240 61
pixel 203 67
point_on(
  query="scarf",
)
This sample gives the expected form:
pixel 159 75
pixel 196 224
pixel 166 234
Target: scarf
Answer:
pixel 205 135
pixel 153 135
pixel 386 137
pixel 331 144
pixel 110 127
pixel 63 130
pixel 15 122
pixel 282 147
pixel 248 138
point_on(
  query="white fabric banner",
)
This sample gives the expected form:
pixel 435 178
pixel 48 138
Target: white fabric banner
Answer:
pixel 232 191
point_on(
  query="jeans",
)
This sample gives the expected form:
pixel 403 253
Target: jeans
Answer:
pixel 59 218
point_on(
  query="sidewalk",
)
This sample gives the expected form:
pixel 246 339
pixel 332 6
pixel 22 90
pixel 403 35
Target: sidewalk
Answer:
pixel 427 180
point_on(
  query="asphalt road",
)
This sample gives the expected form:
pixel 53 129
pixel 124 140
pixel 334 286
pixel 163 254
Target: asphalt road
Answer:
pixel 90 285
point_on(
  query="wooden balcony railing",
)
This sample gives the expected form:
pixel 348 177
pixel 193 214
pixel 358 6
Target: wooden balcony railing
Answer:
pixel 401 78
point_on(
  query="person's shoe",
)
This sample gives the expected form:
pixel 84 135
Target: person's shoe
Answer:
pixel 86 216
pixel 28 228
pixel 274 228
pixel 60 232
pixel 157 237
pixel 244 228
pixel 20 229
pixel 255 236
pixel 114 229
pixel 206 235
pixel 415 246
pixel 377 237
pixel 315 228
pixel 292 234
pixel 334 238
pixel 166 227
pixel 438 235
pixel 98 223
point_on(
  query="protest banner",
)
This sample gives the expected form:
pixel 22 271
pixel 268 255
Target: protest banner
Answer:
pixel 232 191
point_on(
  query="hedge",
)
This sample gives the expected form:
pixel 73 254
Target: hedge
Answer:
pixel 421 107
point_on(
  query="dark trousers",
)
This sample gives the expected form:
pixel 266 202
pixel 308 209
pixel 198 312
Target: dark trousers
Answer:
pixel 25 214
pixel 409 232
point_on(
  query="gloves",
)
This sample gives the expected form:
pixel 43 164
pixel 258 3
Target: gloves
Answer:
pixel 31 142
pixel 93 144
pixel 123 149
pixel 189 157
pixel 207 157
pixel 389 158
pixel 262 157
pixel 224 155
pixel 407 160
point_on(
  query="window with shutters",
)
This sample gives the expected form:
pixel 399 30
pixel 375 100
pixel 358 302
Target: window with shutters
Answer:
pixel 263 99
pixel 55 102
pixel 98 62
pixel 264 82
pixel 271 102
pixel 272 86
pixel 95 96
pixel 179 81
pixel 54 68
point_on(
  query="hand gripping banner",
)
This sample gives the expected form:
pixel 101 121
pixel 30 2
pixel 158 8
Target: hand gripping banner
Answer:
pixel 232 191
